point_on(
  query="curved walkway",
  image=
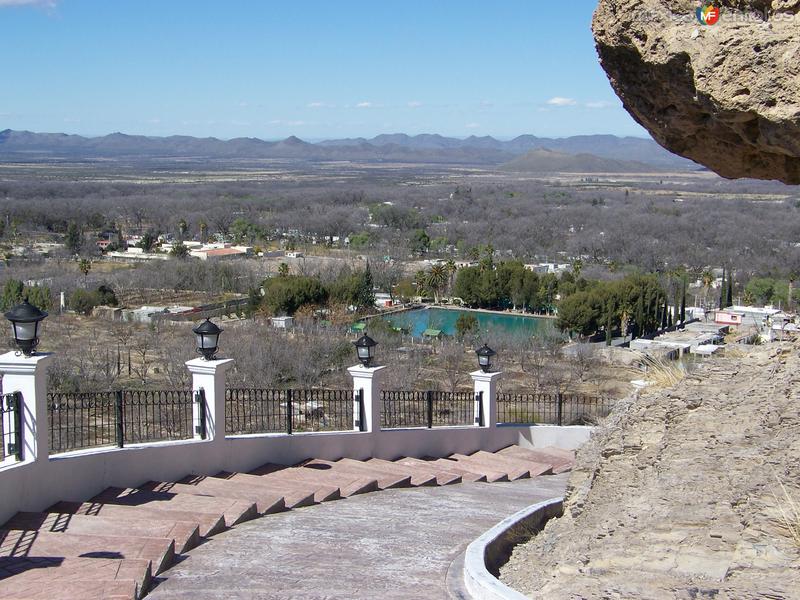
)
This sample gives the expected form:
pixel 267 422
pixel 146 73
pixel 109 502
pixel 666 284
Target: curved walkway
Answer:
pixel 397 544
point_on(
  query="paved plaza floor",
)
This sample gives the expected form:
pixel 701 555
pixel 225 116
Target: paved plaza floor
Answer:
pixel 395 544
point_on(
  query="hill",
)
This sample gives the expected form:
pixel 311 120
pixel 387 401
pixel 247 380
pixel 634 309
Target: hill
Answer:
pixel 549 161
pixel 398 147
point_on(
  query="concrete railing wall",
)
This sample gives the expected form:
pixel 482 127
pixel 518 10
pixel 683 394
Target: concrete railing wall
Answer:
pixel 40 480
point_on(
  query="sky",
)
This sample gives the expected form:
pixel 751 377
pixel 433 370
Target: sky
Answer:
pixel 315 69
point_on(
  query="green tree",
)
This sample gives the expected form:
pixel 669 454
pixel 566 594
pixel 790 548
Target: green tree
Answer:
pixel 283 270
pixel 203 226
pixel 466 324
pixel 436 280
pixel 183 227
pixel 148 241
pixel 73 239
pixel 420 241
pixel 179 250
pixel 284 295
pixel 84 266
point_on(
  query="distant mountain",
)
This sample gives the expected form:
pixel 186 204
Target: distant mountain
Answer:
pixel 548 161
pixel 396 147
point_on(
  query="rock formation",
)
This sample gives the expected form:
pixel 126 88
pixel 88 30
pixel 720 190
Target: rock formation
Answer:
pixel 680 494
pixel 725 95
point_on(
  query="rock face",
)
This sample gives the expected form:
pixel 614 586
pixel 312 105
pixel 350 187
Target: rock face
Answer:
pixel 725 95
pixel 679 495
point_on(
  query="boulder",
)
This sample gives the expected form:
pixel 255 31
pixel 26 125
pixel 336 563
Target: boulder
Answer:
pixel 725 95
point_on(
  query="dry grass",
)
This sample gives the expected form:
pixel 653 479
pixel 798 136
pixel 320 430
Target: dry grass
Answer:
pixel 663 373
pixel 790 513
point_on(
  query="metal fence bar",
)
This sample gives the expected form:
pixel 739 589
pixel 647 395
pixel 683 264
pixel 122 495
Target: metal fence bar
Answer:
pixel 201 426
pixel 551 409
pixel 289 411
pixel 11 426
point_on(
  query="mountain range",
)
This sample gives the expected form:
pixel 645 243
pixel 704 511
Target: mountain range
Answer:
pixel 543 160
pixel 398 147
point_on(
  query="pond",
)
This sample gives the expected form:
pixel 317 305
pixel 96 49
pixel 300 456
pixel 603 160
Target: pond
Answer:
pixel 418 320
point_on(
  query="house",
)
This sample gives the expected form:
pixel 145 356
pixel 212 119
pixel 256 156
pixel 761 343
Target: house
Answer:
pixel 218 253
pixel 282 322
pixel 382 299
pixel 294 254
pixel 103 244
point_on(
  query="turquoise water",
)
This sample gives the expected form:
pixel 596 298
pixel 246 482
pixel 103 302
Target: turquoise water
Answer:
pixel 418 320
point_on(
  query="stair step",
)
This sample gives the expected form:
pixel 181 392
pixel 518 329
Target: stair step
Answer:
pixel 348 484
pixel 289 486
pixel 209 523
pixel 19 542
pixel 266 502
pixel 385 479
pixel 533 468
pixel 489 474
pixel 185 534
pixel 234 511
pixel 560 463
pixel 496 466
pixel 59 578
pixel 451 466
pixel 443 477
pixel 419 477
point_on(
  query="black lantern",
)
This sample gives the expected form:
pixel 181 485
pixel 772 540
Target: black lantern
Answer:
pixel 207 338
pixel 485 355
pixel 25 320
pixel 365 347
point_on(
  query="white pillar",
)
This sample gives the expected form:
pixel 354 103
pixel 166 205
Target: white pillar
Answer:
pixel 209 376
pixel 28 375
pixel 486 383
pixel 368 379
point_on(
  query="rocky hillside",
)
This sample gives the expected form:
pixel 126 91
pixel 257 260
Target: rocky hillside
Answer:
pixel 548 161
pixel 679 495
pixel 724 94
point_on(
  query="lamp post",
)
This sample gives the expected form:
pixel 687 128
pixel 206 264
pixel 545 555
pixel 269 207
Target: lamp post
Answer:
pixel 485 355
pixel 365 348
pixel 207 334
pixel 25 319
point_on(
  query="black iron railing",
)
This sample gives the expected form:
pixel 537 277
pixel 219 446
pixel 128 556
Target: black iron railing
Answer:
pixel 290 411
pixel 551 409
pixel 402 408
pixel 11 426
pixel 91 419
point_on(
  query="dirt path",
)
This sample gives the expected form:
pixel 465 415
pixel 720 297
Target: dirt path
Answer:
pixel 679 496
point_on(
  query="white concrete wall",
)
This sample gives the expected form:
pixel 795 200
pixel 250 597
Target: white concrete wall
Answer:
pixel 80 475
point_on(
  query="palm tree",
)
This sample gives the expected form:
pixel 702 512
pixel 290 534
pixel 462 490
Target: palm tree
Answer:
pixel 183 227
pixel 283 270
pixel 203 230
pixel 708 278
pixel 84 266
pixel 436 279
pixel 420 282
pixel 451 268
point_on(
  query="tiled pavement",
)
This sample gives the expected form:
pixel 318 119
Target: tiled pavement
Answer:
pixel 393 544
pixel 396 544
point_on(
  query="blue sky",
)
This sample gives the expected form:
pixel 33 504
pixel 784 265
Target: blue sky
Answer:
pixel 315 69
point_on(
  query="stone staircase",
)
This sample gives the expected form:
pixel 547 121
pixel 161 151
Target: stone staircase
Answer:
pixel 112 545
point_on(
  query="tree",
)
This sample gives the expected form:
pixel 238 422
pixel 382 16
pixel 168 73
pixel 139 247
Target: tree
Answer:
pixel 183 227
pixel 683 299
pixel 179 250
pixel 729 290
pixel 365 294
pixel 203 226
pixel 84 266
pixel 420 282
pixel 436 279
pixel 420 241
pixel 466 324
pixel 73 240
pixel 284 295
pixel 283 270
pixel 148 241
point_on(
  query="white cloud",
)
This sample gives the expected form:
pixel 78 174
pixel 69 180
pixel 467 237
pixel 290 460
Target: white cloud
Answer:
pixel 414 104
pixel 561 101
pixel 365 105
pixel 42 3
pixel 472 125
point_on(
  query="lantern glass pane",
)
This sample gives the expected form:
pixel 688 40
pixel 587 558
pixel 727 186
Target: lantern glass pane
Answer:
pixel 483 360
pixel 207 340
pixel 363 352
pixel 25 331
